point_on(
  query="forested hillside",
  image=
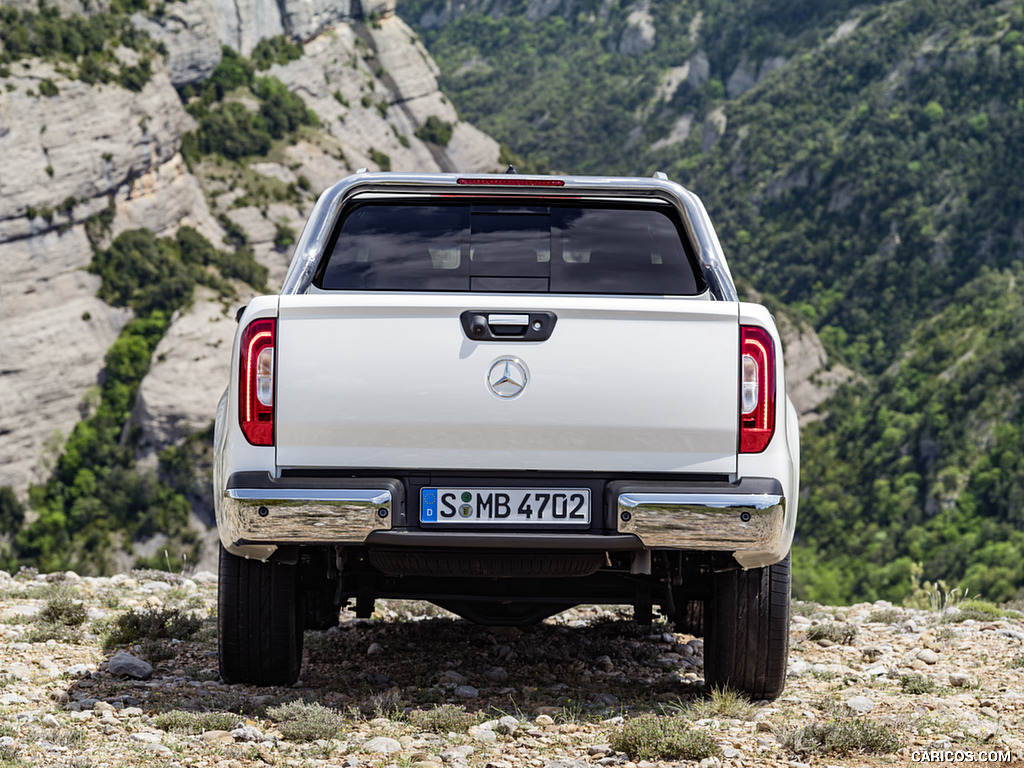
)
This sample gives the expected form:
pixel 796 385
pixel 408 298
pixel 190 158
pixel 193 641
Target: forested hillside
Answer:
pixel 862 163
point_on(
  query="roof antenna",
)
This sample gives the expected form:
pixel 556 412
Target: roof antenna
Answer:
pixel 511 169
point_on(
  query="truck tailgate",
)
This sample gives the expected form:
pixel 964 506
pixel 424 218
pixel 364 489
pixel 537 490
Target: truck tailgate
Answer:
pixel 391 381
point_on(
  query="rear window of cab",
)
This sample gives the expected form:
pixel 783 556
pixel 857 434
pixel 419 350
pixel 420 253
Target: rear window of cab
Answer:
pixel 542 248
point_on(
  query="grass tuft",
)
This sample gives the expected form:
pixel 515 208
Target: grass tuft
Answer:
pixel 724 703
pixel 304 721
pixel 916 683
pixel 886 616
pixel 664 737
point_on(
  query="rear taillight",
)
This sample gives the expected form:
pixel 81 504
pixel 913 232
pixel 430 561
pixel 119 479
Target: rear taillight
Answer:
pixel 757 389
pixel 256 382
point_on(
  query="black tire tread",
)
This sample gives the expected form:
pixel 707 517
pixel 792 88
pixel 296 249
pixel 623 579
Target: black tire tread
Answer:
pixel 259 621
pixel 747 641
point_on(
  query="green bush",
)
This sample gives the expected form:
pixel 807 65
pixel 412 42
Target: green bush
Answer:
pixel 283 236
pixel 723 703
pixel 435 131
pixel 12 511
pixel 88 42
pixel 382 160
pixel 232 131
pixel 63 608
pixel 978 610
pixel 275 50
pixel 282 110
pixel 229 129
pixel 155 624
pixel 887 616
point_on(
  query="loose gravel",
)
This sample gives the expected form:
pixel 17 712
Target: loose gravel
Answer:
pixel 415 687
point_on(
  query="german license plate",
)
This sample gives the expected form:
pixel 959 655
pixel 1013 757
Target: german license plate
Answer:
pixel 529 506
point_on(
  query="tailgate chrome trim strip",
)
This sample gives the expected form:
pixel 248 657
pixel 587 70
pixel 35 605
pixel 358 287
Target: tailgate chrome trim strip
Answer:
pixel 326 495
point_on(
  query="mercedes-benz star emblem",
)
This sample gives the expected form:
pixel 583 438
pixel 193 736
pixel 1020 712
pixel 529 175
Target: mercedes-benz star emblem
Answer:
pixel 507 377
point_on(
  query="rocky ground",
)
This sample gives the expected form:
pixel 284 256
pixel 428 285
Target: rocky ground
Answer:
pixel 122 671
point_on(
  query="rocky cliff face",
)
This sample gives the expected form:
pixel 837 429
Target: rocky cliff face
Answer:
pixel 67 157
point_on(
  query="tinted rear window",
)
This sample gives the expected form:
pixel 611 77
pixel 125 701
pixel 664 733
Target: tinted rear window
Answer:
pixel 510 248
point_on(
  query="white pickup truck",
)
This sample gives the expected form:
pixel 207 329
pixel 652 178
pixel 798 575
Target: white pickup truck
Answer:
pixel 507 395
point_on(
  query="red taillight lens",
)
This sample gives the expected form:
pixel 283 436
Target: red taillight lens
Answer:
pixel 757 389
pixel 256 382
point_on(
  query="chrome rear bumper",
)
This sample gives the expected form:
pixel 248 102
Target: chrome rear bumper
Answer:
pixel 722 522
pixel 307 515
pixel 747 519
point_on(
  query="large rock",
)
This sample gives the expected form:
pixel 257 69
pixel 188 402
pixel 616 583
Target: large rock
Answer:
pixel 810 379
pixel 243 23
pixel 680 132
pixel 473 150
pixel 189 31
pixel 714 128
pixel 412 71
pixel 123 664
pixel 742 79
pixel 162 199
pixel 189 373
pixel 638 36
pixel 83 143
pixel 305 19
pixel 56 334
pixel 333 67
pixel 413 75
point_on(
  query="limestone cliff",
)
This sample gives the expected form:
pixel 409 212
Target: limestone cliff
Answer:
pixel 63 159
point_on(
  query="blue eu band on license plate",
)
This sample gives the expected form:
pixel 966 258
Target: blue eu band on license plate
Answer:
pixel 497 506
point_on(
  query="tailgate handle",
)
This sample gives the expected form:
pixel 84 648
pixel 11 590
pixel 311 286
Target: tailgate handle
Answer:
pixel 493 320
pixel 481 325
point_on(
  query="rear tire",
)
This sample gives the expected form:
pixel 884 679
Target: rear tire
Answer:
pixel 260 618
pixel 746 646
